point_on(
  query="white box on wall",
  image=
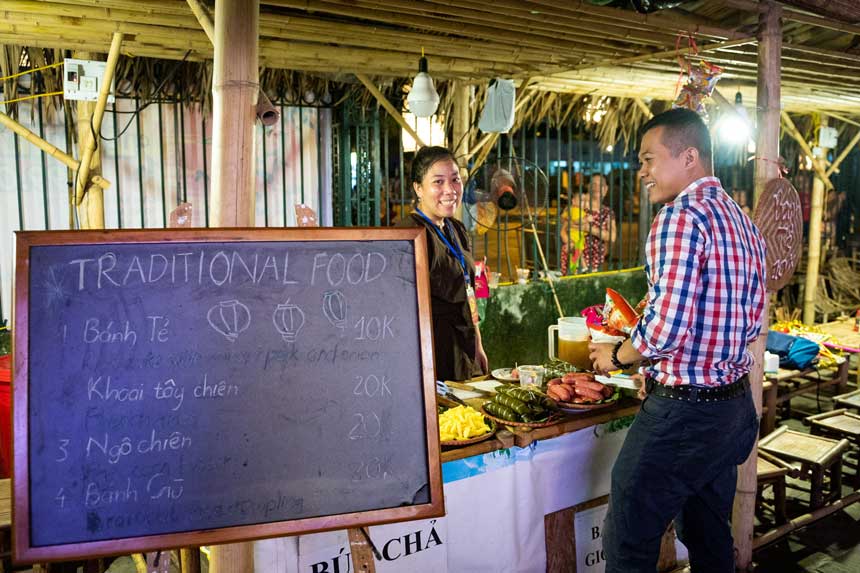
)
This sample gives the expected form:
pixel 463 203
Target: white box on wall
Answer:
pixel 82 79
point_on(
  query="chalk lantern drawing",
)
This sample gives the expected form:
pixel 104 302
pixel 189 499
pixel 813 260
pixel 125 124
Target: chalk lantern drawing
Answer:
pixel 230 318
pixel 288 319
pixel 334 308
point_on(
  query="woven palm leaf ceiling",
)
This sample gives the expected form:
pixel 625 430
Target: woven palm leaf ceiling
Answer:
pixel 561 45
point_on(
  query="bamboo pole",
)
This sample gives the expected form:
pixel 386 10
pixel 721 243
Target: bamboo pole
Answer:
pixel 838 161
pixel 202 14
pixel 235 85
pixel 83 117
pixel 461 126
pixel 767 146
pixel 88 143
pixel 645 109
pixel 816 213
pixel 462 119
pixel 665 53
pixel 841 118
pixel 817 165
pixel 49 148
pixel 383 101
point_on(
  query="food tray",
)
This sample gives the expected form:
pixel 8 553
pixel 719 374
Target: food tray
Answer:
pixel 576 408
pixel 553 419
pixel 457 443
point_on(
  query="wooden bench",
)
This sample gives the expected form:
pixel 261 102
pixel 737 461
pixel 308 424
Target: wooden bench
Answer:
pixel 816 458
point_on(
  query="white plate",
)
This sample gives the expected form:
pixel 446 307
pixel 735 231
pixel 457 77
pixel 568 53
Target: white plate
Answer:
pixel 504 374
pixel 620 381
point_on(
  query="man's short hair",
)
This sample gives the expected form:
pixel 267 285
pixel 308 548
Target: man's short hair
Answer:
pixel 683 128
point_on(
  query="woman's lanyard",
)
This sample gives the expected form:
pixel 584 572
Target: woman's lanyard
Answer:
pixel 455 250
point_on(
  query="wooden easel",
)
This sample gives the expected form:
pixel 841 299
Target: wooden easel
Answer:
pixel 361 550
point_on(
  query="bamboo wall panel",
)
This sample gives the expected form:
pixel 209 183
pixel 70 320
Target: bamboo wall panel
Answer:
pixel 164 158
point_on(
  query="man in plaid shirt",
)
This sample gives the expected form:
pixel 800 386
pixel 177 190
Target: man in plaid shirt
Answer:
pixel 706 296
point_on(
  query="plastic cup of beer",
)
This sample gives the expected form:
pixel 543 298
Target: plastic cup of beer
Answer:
pixel 573 339
pixel 493 279
pixel 530 375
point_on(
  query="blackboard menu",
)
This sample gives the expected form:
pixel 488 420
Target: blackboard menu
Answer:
pixel 245 384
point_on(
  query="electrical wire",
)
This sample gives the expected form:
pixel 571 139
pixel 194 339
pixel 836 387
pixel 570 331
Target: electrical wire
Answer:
pixel 24 73
pixel 31 97
pixel 144 106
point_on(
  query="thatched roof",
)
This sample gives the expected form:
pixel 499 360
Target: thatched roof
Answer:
pixel 562 45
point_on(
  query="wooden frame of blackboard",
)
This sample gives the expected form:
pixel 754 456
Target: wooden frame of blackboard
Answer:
pixel 25 552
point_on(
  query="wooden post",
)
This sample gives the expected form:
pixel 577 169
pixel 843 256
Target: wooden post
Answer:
pixel 462 118
pixel 766 168
pixel 813 261
pixel 89 123
pixel 83 116
pixel 461 130
pixel 235 84
pixel 360 551
pixel 189 559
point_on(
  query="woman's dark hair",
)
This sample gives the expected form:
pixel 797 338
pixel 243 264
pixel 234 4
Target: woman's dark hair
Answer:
pixel 683 128
pixel 425 158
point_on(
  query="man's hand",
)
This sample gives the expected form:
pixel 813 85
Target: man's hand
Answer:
pixel 640 380
pixel 601 357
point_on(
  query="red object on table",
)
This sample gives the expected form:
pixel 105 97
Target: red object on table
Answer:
pixel 5 415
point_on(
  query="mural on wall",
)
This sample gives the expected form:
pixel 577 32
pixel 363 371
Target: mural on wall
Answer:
pixel 161 157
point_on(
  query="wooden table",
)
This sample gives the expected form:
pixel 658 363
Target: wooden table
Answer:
pixel 508 437
pixel 790 383
pixel 845 337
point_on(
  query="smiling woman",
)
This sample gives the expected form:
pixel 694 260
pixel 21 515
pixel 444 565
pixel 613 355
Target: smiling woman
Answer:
pixel 458 351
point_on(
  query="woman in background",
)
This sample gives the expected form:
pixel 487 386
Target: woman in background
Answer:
pixel 586 229
pixel 458 351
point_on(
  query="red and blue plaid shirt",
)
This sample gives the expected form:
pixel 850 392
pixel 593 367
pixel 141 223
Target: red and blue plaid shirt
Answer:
pixel 705 262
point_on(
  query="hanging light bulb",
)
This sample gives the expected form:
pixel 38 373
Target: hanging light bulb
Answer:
pixel 422 99
pixel 735 126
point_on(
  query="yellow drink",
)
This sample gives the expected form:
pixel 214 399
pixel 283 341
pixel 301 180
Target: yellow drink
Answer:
pixel 574 351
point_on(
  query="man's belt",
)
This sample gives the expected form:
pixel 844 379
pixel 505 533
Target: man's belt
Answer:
pixel 690 393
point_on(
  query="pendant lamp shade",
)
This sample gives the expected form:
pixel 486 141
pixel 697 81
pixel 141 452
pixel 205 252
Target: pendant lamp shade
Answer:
pixel 422 99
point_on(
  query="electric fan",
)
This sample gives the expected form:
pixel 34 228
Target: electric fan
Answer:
pixel 507 194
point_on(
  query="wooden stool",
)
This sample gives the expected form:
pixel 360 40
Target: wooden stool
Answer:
pixel 849 400
pixel 768 408
pixel 838 424
pixel 818 457
pixel 771 471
